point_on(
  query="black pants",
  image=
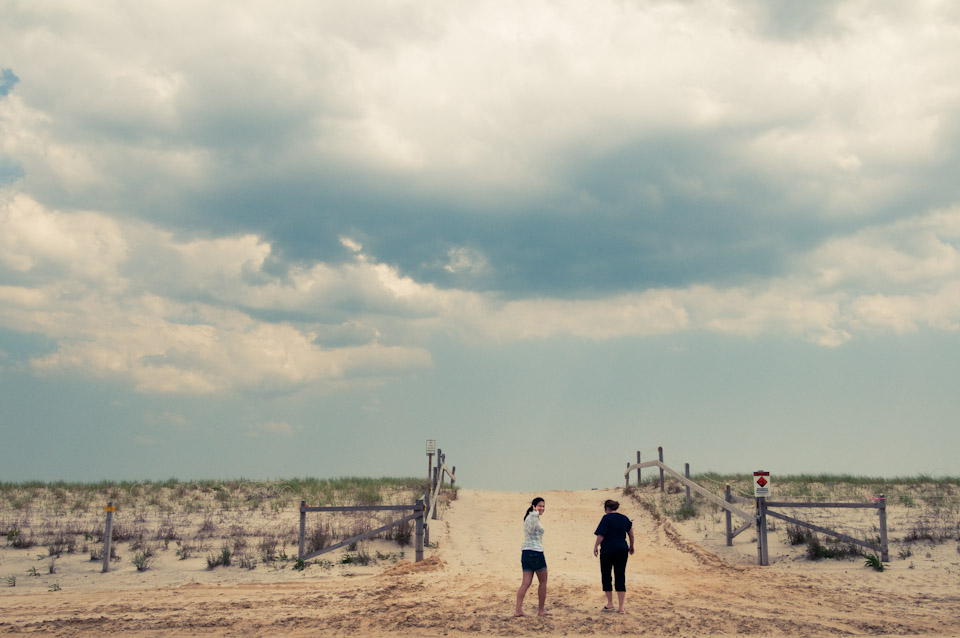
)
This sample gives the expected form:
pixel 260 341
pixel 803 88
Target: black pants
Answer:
pixel 617 563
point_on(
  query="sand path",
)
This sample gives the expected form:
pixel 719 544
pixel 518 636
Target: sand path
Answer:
pixel 468 586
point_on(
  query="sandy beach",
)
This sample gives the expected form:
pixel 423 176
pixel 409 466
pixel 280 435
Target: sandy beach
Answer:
pixel 682 581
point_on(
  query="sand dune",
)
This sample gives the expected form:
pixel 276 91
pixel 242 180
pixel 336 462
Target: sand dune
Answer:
pixel 468 584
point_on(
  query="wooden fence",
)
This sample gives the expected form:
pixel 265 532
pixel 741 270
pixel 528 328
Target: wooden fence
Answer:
pixel 418 515
pixel 762 509
pixel 424 510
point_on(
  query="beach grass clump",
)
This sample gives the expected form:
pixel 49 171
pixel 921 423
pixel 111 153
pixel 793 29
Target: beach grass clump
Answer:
pixel 319 537
pixel 224 558
pixel 817 550
pixel 143 559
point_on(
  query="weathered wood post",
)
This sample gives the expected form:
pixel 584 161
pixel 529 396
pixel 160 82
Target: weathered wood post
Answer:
pixel 443 466
pixel 638 469
pixel 303 530
pixel 107 536
pixel 626 477
pixel 884 548
pixel 431 446
pixel 727 498
pixel 419 546
pixel 439 469
pixel 426 525
pixel 660 453
pixel 686 475
pixel 436 472
pixel 763 557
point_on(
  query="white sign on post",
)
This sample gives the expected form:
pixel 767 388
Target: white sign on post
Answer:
pixel 431 446
pixel 761 484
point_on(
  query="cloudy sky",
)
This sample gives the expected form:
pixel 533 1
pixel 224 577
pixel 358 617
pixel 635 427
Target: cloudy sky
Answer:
pixel 259 239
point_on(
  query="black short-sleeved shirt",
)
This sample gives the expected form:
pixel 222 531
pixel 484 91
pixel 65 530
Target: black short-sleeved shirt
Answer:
pixel 613 527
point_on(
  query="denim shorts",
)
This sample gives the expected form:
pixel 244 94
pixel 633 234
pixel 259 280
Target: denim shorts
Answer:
pixel 532 561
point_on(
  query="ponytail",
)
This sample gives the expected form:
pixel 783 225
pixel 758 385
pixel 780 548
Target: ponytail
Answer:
pixel 533 504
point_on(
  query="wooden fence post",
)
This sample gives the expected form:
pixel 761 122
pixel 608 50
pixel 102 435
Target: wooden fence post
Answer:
pixel 626 477
pixel 727 498
pixel 638 469
pixel 426 525
pixel 419 546
pixel 763 556
pixel 107 537
pixel 303 530
pixel 660 452
pixel 436 509
pixel 686 474
pixel 453 478
pixel 884 549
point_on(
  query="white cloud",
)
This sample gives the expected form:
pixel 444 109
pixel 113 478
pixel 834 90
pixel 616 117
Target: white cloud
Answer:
pixel 129 323
pixel 918 253
pixel 88 246
pixel 119 326
pixel 482 98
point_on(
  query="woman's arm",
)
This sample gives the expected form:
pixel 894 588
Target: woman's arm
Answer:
pixel 596 546
pixel 630 534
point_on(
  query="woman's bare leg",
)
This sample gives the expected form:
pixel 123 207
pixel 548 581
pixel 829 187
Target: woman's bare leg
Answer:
pixel 542 593
pixel 524 585
pixel 620 596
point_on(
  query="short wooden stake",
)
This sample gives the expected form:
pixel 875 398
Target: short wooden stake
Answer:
pixel 638 469
pixel 107 537
pixel 882 511
pixel 686 474
pixel 303 530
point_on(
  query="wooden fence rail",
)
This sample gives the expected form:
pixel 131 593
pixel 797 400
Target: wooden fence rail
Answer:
pixel 418 516
pixel 695 487
pixel 762 509
pixel 435 488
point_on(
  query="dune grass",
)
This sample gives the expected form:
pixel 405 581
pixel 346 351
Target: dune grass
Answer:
pixel 254 519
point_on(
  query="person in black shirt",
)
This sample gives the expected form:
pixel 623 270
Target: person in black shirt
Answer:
pixel 613 550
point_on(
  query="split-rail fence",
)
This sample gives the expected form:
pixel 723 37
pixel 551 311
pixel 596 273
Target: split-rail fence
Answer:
pixel 423 511
pixel 761 509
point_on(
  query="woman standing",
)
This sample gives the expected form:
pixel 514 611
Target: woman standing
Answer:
pixel 613 551
pixel 532 559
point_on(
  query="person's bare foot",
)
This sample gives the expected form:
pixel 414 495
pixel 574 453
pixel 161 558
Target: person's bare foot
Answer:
pixel 621 611
pixel 605 608
pixel 544 612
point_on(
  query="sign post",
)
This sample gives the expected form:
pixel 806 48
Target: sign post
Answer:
pixel 108 536
pixel 761 490
pixel 431 450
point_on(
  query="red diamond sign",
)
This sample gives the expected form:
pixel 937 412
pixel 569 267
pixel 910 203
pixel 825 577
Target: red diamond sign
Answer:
pixel 761 484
